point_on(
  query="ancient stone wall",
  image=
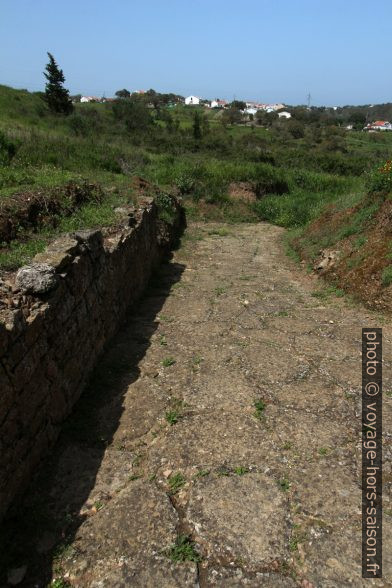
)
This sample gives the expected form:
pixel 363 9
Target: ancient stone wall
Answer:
pixel 55 317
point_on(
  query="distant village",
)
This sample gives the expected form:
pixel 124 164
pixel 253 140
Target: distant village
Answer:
pixel 250 108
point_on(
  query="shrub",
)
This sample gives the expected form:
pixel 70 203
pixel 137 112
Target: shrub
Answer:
pixel 166 208
pixel 270 181
pixel 296 129
pixel 185 182
pixel 380 179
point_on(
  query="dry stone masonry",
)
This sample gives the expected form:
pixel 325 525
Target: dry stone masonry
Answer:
pixel 56 314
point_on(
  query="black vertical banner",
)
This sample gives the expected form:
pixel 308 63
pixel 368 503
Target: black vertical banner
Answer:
pixel 372 453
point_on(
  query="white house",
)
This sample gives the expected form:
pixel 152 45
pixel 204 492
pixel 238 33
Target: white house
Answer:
pixel 284 114
pixel 218 103
pixel 250 110
pixel 90 99
pixel 192 101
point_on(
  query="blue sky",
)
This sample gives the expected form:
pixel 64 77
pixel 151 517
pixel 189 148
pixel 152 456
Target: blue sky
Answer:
pixel 277 50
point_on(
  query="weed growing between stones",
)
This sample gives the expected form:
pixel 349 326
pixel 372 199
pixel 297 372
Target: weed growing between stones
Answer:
pixel 175 483
pixel 260 407
pixel 168 361
pixel 184 550
pixel 172 417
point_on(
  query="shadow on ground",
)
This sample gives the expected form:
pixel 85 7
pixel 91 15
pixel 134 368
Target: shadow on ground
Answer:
pixel 34 538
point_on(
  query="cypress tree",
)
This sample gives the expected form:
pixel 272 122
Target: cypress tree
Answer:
pixel 56 96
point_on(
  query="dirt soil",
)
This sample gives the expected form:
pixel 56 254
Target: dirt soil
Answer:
pixel 357 269
pixel 228 411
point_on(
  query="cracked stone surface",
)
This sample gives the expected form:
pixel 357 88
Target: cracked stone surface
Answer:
pixel 240 518
pixel 160 449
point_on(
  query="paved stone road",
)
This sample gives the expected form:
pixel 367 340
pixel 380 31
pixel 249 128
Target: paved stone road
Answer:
pixel 260 463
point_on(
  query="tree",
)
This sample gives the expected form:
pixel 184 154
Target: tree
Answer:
pixel 238 105
pixel 134 113
pixel 296 129
pixel 123 93
pixel 231 116
pixel 56 96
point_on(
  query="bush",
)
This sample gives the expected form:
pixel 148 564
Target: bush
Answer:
pixel 380 179
pixel 166 208
pixel 270 181
pixel 185 182
pixel 296 129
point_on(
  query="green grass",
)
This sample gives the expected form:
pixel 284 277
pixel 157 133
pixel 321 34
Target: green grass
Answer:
pixel 21 251
pixel 222 232
pixel 386 276
pixel 176 482
pixel 241 470
pixel 172 417
pixel 168 361
pixel 59 583
pixel 260 407
pixel 202 473
pixel 328 291
pixel 219 290
pixel 284 484
pixel 293 178
pixel 184 550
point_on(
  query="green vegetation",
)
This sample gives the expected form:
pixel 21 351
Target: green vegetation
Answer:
pixel 184 550
pixel 298 536
pixel 386 276
pixel 60 583
pixel 293 169
pixel 172 416
pixel 284 485
pixel 202 473
pixel 323 450
pixel 260 407
pixel 241 470
pixel 168 361
pixel 175 483
pixel 56 96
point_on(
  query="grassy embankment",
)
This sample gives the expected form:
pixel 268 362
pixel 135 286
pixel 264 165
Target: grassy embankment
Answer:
pixel 293 179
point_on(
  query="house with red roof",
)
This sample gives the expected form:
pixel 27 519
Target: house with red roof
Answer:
pixel 379 125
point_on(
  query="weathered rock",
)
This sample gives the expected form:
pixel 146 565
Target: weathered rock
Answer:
pixel 126 543
pixel 91 239
pixel 59 253
pixel 36 278
pixel 240 518
pixel 326 261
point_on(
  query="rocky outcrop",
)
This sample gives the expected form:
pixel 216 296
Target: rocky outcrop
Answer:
pixel 56 314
